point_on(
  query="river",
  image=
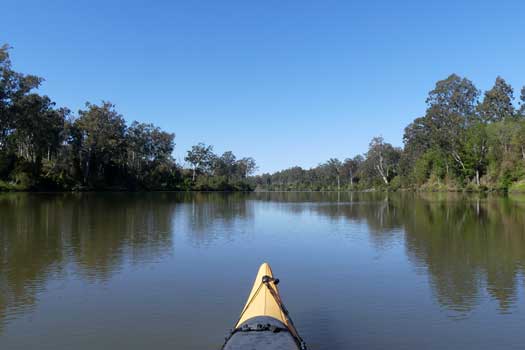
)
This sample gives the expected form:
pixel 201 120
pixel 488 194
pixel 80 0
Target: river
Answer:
pixel 173 270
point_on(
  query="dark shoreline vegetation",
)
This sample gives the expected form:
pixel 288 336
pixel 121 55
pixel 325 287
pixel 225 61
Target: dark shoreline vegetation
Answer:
pixel 44 148
pixel 466 141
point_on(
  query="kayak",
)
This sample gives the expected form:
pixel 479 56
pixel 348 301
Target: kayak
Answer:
pixel 264 323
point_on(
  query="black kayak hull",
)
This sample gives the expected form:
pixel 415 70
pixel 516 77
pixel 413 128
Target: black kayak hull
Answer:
pixel 261 333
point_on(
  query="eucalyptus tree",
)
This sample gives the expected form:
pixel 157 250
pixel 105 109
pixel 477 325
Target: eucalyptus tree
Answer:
pixel 246 166
pixel 148 147
pixel 38 128
pixel 335 166
pixel 351 167
pixel 497 103
pixel 102 140
pixel 13 87
pixel 226 165
pixel 476 150
pixel 382 159
pixel 200 157
pixel 417 138
pixel 451 106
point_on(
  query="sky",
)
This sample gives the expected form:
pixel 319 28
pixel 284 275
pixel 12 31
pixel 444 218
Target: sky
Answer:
pixel 286 82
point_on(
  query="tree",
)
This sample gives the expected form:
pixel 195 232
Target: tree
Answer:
pixel 454 95
pixel 351 167
pixel 497 103
pixel 417 142
pixel 101 131
pixel 383 158
pixel 45 147
pixel 13 86
pixel 522 103
pixel 225 165
pixel 452 106
pixel 148 149
pixel 335 168
pixel 199 156
pixel 38 128
pixel 518 139
pixel 476 149
pixel 247 166
pixel 417 137
pixel 501 135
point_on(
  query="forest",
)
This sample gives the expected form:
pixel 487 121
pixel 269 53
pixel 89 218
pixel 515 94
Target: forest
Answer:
pixel 466 141
pixel 43 147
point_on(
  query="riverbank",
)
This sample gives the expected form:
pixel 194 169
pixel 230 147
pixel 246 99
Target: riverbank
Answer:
pixel 224 187
pixel 515 187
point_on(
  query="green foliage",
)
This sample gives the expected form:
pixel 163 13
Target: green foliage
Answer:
pixel 497 103
pixel 395 183
pixel 47 148
pixel 517 187
pixel 460 143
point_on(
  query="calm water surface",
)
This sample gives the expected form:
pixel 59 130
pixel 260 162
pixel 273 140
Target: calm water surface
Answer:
pixel 172 271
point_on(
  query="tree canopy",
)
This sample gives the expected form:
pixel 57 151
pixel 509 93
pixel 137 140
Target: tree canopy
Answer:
pixel 465 140
pixel 50 148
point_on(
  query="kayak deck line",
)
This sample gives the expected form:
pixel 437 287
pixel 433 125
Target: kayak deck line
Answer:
pixel 264 322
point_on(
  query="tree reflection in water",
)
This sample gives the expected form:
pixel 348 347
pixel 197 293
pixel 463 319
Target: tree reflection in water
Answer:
pixel 468 245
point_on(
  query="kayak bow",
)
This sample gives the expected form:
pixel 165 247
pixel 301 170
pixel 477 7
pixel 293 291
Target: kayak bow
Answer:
pixel 264 322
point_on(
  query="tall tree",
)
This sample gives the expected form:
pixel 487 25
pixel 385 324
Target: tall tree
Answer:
pixel 13 86
pixel 335 167
pixel 200 156
pixel 383 158
pixel 247 166
pixel 476 149
pixel 102 132
pixel 226 165
pixel 454 95
pixel 497 102
pixel 351 167
pixel 147 148
pixel 452 106
pixel 38 128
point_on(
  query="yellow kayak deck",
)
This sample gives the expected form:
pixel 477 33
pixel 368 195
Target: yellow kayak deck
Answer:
pixel 264 300
pixel 264 323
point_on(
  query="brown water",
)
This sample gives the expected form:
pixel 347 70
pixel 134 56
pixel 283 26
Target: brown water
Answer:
pixel 172 271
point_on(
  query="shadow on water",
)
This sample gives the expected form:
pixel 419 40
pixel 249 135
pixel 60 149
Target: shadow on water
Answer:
pixel 467 245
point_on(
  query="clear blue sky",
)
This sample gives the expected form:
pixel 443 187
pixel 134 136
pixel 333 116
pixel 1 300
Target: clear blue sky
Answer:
pixel 287 82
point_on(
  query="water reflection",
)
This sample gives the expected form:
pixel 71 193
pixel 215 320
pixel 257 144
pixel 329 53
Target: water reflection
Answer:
pixel 468 246
pixel 213 216
pixel 41 235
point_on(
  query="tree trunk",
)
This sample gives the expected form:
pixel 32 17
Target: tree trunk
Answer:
pixel 88 165
pixel 193 176
pixel 477 177
pixel 456 156
pixel 338 184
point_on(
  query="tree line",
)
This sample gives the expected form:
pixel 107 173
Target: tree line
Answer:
pixel 466 140
pixel 50 148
